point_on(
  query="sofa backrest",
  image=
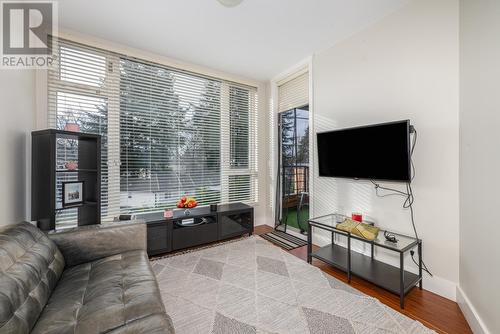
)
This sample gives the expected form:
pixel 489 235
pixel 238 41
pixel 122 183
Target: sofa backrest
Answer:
pixel 30 266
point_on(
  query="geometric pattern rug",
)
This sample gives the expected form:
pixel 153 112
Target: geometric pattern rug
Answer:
pixel 251 286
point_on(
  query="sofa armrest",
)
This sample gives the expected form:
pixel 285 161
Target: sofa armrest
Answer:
pixel 88 243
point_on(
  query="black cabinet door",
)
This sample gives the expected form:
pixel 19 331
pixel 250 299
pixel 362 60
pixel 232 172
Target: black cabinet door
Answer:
pixel 235 224
pixel 159 238
pixel 197 234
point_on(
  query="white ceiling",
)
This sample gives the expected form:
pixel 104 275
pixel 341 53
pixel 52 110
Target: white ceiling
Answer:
pixel 257 39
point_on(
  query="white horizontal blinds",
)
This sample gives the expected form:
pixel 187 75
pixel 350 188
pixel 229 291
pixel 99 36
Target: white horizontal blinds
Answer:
pixel 166 132
pixel 241 172
pixel 170 137
pixel 239 120
pixel 172 141
pixel 294 92
pixel 80 86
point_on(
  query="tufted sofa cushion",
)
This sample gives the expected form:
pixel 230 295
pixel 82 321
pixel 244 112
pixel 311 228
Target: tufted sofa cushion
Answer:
pixel 117 294
pixel 30 267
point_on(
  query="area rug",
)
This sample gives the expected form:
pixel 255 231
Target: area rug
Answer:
pixel 252 286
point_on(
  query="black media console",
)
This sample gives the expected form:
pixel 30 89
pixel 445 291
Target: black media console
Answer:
pixel 200 227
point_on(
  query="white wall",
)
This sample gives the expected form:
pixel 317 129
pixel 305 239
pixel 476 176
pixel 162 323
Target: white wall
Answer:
pixel 480 163
pixel 17 118
pixel 403 67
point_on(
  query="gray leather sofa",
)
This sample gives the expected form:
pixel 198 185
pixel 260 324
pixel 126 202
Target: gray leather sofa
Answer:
pixel 92 279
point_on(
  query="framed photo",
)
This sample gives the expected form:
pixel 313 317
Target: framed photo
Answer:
pixel 72 192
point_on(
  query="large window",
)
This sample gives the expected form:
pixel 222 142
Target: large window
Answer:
pixel 166 132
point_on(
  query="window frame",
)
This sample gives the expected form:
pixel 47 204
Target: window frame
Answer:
pixel 113 163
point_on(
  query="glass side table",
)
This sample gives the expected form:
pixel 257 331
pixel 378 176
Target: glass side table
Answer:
pixel 391 278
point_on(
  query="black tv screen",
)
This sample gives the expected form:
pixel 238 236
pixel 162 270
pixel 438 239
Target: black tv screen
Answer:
pixel 375 152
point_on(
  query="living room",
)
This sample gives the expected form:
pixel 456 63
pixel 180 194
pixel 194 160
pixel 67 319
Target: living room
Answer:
pixel 238 166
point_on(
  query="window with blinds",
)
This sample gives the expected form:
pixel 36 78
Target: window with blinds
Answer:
pixel 293 92
pixel 166 132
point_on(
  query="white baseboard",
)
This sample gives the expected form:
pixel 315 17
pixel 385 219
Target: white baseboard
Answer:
pixel 470 313
pixel 437 285
pixel 441 286
pixel 263 220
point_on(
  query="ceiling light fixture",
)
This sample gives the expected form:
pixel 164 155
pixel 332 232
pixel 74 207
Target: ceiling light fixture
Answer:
pixel 230 3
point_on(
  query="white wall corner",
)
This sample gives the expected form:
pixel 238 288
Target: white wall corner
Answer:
pixel 292 71
pixel 441 286
pixel 263 220
pixel 475 322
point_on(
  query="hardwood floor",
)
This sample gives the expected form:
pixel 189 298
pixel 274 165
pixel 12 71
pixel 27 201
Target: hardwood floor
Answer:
pixel 435 312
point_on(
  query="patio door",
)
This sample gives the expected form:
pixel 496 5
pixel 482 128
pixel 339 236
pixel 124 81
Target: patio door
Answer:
pixel 293 197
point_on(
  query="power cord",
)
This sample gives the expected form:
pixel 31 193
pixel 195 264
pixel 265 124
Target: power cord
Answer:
pixel 409 198
pixel 424 267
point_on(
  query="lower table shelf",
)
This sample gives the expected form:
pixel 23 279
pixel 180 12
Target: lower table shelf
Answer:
pixel 379 273
pixel 390 277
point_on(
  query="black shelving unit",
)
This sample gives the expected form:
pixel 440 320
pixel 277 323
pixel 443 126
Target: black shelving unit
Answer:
pixel 50 150
pixel 394 279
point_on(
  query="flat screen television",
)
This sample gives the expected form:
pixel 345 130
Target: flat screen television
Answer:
pixel 374 152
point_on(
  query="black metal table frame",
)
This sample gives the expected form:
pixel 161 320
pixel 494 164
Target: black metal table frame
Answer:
pixel 402 291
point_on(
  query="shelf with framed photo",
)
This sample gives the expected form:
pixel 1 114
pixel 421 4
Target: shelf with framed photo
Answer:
pixel 66 179
pixel 72 193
